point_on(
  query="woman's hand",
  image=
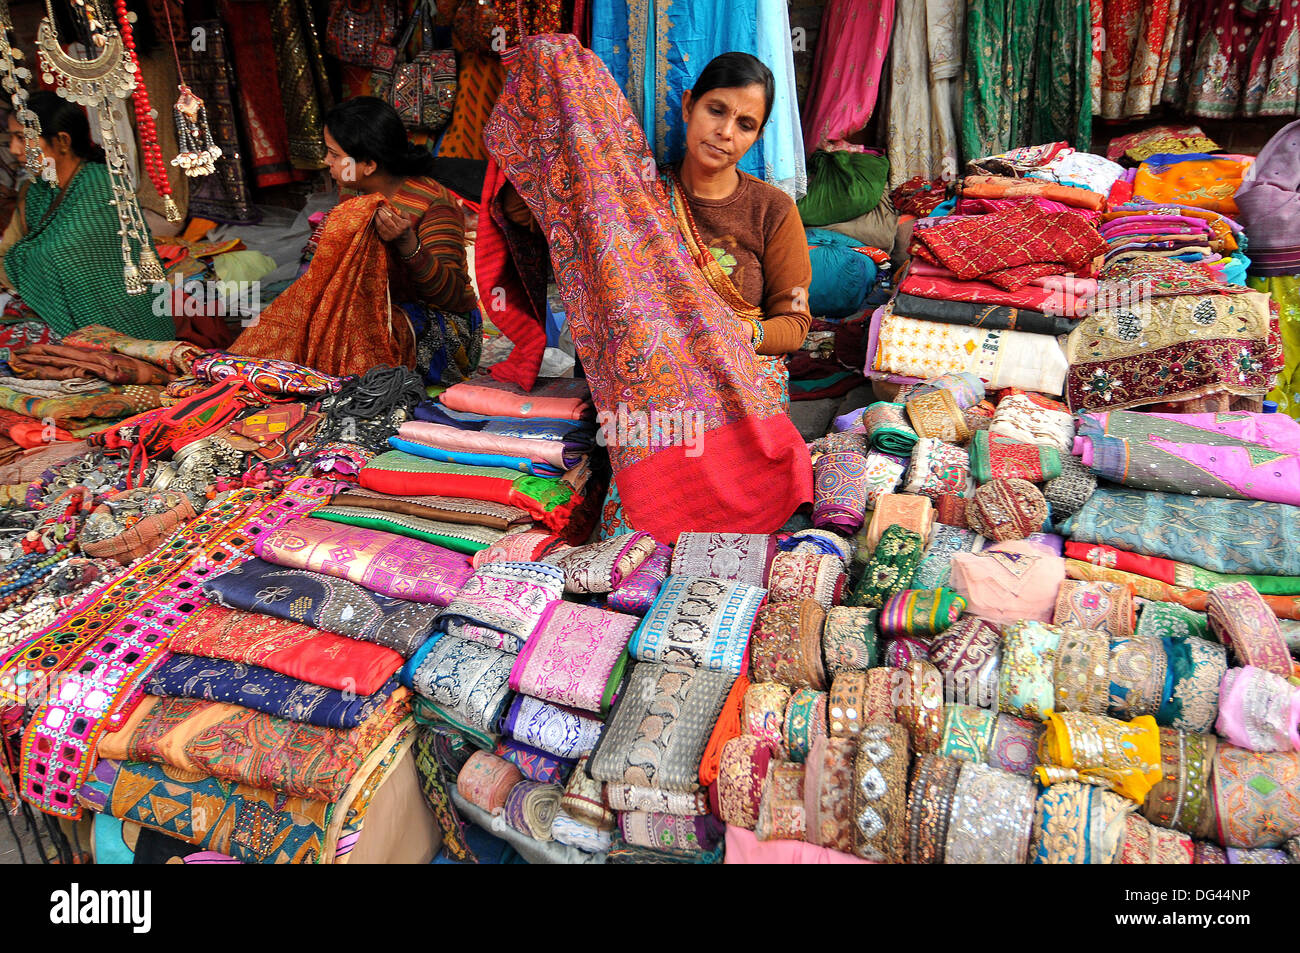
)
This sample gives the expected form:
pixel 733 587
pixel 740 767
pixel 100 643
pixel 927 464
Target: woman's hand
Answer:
pixel 396 229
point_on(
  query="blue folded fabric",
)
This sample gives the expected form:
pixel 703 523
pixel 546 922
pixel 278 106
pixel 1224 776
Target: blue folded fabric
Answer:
pixel 192 676
pixel 521 464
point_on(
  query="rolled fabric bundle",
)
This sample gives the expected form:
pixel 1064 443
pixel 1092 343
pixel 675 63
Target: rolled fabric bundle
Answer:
pixel 979 417
pixel 1006 510
pixel 852 421
pixel 741 776
pixel 486 781
pixel 847 701
pixel 502 604
pixel 966 388
pixel 967 655
pixel 938 415
pixel 1028 665
pixel 390 565
pixel 884 473
pixel 929 808
pixel 602 567
pixel 550 728
pixel 1258 710
pixel 1137 669
pixel 854 441
pixel 920 706
pixel 1032 418
pixel 1182 799
pixel 1068 492
pixel 781 813
pixel 531 808
pixel 880 793
pixel 920 613
pixel 621 796
pixel 1165 619
pixel 576 657
pixel 571 832
pixel 1245 624
pixel 103 536
pixel 1144 844
pixel 884 686
pixel 804 723
pixel 786 645
pixel 637 593
pixel 997 457
pixel 899 652
pixel 1014 745
pixel 763 713
pixel 992 817
pixel 1123 756
pixel 657 733
pixel 671 831
pixel 848 640
pixel 1207 852
pixel 938 469
pixel 1008 582
pixel 535 765
pixel 935 566
pixel 698 621
pixel 887 428
pixel 584 800
pixel 890 568
pixel 1081 673
pixel 1256 796
pixel 915 513
pixel 525 547
pixel 828 793
pixel 967 732
pixel 471 682
pixel 1262 855
pixel 1194 670
pixel 840 491
pixel 1078 824
pixel 797 576
pixel 738 557
pixel 1105 606
pixel 950 509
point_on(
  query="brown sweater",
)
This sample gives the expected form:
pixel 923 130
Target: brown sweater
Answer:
pixel 758 238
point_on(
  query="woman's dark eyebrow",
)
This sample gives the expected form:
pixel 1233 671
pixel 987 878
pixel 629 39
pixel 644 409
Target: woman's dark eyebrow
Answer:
pixel 709 98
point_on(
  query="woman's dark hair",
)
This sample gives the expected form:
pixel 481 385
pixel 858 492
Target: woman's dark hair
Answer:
pixel 736 69
pixel 58 115
pixel 368 129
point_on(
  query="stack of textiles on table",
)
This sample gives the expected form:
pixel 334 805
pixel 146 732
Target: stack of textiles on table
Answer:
pixel 990 284
pixel 64 390
pixel 490 442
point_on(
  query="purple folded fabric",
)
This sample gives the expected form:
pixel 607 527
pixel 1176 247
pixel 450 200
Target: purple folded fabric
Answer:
pixel 637 593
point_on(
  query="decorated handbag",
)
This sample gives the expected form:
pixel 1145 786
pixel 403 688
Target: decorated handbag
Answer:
pixel 422 89
pixel 361 32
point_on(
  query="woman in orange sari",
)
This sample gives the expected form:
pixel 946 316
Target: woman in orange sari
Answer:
pixel 388 283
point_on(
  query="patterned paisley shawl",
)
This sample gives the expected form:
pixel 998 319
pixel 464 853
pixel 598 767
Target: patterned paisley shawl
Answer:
pixel 654 336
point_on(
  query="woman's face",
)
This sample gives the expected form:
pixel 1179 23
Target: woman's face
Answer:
pixel 17 144
pixel 722 125
pixel 346 171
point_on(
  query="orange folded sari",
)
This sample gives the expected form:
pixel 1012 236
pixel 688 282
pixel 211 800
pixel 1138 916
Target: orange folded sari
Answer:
pixel 338 317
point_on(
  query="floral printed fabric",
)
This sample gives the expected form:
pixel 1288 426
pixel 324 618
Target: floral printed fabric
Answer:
pixel 470 681
pixel 576 658
pixel 602 567
pixel 502 604
pixel 891 567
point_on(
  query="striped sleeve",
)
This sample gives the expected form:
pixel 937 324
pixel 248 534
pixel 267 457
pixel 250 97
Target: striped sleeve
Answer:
pixel 440 273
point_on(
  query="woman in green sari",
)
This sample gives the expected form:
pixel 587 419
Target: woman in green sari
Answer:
pixel 62 252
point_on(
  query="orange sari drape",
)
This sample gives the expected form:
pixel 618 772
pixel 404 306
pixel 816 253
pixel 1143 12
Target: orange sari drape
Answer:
pixel 338 317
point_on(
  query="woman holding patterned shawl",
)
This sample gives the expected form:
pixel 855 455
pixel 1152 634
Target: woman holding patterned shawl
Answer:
pixel 670 346
pixel 388 283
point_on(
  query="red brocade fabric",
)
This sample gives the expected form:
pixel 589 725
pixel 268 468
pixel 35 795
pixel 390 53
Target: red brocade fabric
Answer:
pixel 290 648
pixel 1012 247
